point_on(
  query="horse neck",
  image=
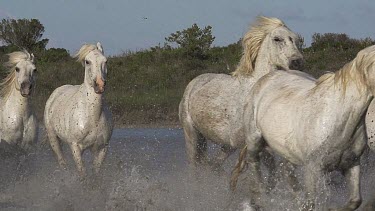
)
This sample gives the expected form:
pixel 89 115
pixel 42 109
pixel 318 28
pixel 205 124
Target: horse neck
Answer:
pixel 263 65
pixel 94 102
pixel 16 102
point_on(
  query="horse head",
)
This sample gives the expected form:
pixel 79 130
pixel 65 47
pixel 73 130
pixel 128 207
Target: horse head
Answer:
pixel 21 74
pixel 95 63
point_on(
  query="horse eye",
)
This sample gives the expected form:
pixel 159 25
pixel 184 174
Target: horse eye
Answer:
pixel 87 62
pixel 277 39
pixel 17 69
pixel 291 40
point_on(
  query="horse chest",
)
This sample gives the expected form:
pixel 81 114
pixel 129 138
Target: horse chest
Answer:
pixel 12 128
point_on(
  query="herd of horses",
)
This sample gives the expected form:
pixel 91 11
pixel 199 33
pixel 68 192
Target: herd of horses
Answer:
pixel 266 107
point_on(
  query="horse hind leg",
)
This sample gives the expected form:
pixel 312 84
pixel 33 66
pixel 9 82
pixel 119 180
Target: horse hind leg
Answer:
pixel 196 145
pixel 290 175
pixel 222 155
pixel 269 161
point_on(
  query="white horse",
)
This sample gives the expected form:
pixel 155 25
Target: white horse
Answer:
pixel 212 105
pixel 78 114
pixel 314 123
pixel 18 124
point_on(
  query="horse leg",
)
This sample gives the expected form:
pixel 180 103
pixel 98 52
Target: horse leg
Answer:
pixel 256 188
pixel 289 173
pixel 99 155
pixel 254 145
pixel 312 174
pixel 77 156
pixel 30 133
pixel 269 161
pixel 353 178
pixel 222 155
pixel 55 145
pixel 196 145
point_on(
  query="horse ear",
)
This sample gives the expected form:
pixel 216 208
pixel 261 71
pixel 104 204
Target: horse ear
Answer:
pixel 32 57
pixel 100 47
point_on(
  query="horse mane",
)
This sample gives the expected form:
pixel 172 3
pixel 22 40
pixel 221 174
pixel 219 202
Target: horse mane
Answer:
pixel 252 41
pixel 14 59
pixel 84 50
pixel 355 71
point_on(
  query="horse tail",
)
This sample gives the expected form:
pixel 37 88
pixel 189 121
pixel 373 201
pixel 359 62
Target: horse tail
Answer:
pixel 238 168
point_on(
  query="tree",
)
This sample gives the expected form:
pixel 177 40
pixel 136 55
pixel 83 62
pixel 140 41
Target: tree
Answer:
pixel 194 41
pixel 300 42
pixel 23 33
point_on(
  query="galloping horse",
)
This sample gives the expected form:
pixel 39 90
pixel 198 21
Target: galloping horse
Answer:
pixel 78 114
pixel 18 124
pixel 212 105
pixel 315 123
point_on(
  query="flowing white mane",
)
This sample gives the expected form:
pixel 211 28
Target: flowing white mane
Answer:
pixel 14 59
pixel 252 41
pixel 355 71
pixel 84 50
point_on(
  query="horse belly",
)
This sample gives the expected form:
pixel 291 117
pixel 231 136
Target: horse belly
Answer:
pixel 216 116
pixel 215 124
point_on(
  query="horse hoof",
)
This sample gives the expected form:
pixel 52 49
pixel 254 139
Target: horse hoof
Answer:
pixel 63 165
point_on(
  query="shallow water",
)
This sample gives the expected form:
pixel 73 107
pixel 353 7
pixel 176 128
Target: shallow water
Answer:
pixel 145 169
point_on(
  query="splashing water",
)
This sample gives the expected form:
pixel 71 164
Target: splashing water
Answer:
pixel 146 169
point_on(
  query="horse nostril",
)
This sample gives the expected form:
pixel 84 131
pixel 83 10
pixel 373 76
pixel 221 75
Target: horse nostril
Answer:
pixel 296 64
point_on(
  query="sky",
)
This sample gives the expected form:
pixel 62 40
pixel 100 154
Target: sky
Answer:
pixel 123 25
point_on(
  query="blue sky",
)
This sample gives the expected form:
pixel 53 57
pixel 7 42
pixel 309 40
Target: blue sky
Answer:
pixel 122 25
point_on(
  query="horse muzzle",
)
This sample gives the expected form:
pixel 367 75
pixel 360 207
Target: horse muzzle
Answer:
pixel 26 89
pixel 99 86
pixel 296 64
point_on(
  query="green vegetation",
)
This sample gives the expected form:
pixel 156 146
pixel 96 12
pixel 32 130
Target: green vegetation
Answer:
pixel 195 42
pixel 23 33
pixel 145 87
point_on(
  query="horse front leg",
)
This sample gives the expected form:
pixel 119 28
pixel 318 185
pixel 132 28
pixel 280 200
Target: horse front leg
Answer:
pixel 77 156
pixel 99 155
pixel 352 176
pixel 55 145
pixel 312 174
pixel 254 145
pixel 30 133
